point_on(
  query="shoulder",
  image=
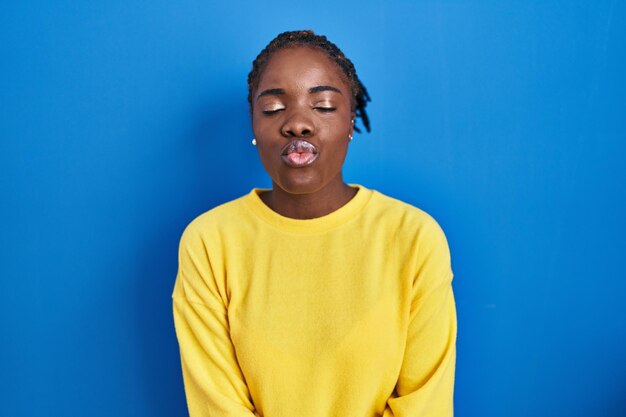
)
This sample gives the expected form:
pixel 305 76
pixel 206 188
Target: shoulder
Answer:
pixel 407 217
pixel 412 229
pixel 208 223
pixel 423 237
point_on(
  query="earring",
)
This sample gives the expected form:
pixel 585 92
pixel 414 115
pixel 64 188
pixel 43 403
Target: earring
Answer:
pixel 253 142
pixel 350 137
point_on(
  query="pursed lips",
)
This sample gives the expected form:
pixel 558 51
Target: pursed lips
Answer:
pixel 299 153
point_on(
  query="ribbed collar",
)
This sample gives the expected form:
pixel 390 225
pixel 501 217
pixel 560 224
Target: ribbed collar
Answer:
pixel 342 215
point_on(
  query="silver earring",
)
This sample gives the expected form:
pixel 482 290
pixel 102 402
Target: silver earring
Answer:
pixel 253 142
pixel 350 137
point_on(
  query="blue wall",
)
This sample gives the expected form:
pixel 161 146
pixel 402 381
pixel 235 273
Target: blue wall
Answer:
pixel 122 120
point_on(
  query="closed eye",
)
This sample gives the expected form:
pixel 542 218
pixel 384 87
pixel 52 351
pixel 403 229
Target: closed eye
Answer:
pixel 272 111
pixel 325 109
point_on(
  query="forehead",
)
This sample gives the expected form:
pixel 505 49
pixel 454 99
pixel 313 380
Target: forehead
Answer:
pixel 301 65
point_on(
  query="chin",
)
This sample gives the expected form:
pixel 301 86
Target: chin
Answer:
pixel 299 183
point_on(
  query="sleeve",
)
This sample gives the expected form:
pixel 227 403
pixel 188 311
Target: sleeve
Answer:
pixel 214 383
pixel 425 386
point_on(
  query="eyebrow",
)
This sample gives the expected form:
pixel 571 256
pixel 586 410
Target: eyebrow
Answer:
pixel 312 90
pixel 271 92
pixel 320 88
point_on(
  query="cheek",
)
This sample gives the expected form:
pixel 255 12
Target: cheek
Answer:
pixel 257 125
pixel 260 122
pixel 266 155
pixel 266 132
pixel 337 151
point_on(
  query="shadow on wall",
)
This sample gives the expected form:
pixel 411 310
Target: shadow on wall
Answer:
pixel 216 164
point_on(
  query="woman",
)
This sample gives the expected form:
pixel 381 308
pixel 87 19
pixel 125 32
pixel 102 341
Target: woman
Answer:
pixel 315 298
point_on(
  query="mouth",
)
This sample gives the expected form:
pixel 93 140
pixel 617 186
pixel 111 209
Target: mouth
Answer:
pixel 299 153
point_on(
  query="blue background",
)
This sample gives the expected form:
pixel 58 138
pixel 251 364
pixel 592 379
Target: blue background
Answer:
pixel 122 120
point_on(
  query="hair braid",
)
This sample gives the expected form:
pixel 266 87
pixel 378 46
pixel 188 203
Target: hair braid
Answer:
pixel 360 97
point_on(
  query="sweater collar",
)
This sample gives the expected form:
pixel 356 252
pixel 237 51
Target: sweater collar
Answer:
pixel 339 217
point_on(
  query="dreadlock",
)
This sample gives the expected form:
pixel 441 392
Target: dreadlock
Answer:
pixel 310 39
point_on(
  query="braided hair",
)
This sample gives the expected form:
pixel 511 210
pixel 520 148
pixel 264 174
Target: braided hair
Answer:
pixel 310 39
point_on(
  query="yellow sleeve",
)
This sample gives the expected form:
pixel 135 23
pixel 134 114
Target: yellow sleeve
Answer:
pixel 425 386
pixel 214 383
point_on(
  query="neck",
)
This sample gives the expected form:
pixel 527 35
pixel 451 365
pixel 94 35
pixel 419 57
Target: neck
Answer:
pixel 311 205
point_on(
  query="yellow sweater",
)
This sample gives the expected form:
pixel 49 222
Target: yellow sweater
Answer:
pixel 347 315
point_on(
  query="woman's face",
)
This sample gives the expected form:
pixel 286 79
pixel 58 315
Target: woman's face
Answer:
pixel 302 120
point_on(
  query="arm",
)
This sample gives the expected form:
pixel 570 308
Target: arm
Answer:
pixel 214 383
pixel 425 386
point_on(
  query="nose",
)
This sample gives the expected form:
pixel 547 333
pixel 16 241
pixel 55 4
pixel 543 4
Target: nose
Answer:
pixel 297 125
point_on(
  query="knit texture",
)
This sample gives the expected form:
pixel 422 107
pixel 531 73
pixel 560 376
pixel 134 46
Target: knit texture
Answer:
pixel 349 315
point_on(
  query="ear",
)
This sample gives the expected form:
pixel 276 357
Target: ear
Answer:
pixel 352 118
pixel 351 130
